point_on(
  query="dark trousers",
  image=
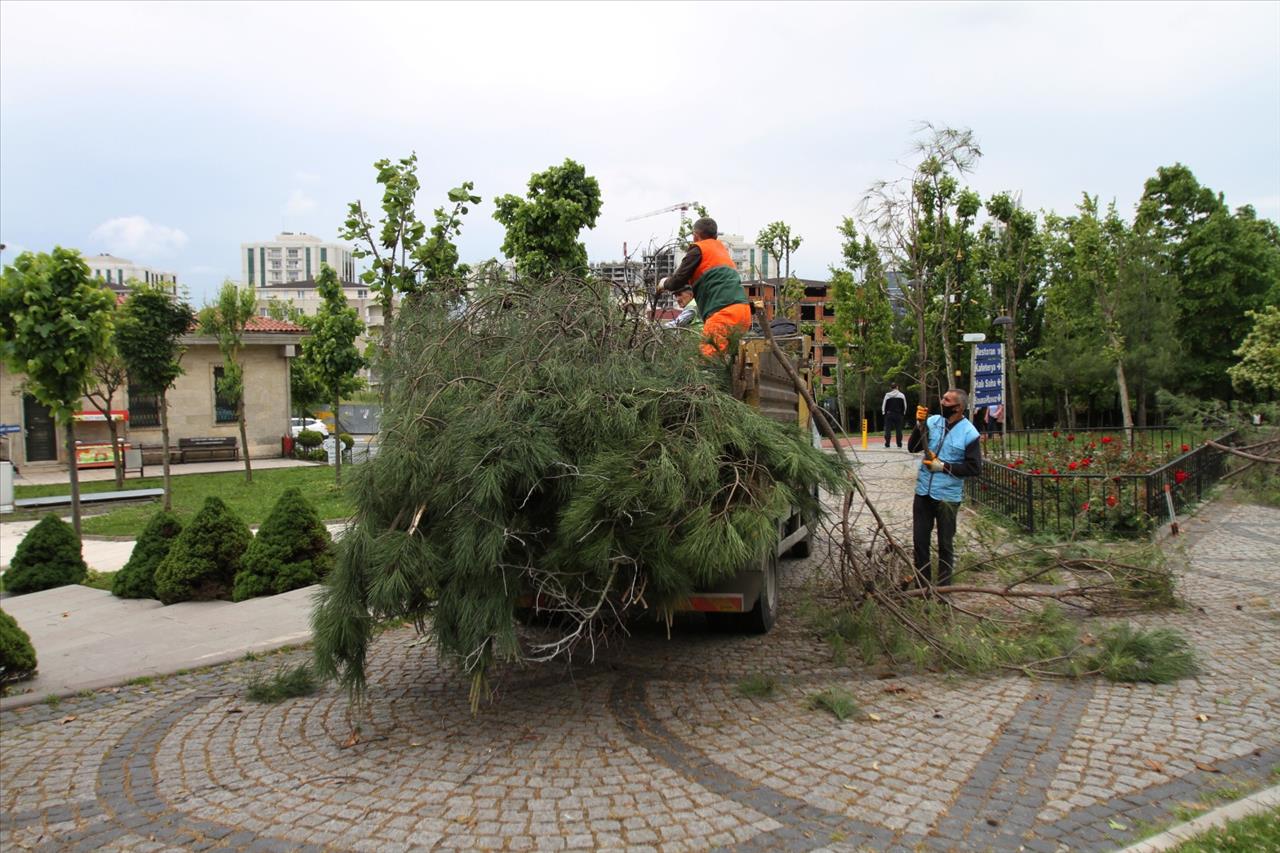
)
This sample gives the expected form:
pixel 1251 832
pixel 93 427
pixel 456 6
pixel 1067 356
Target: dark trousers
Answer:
pixel 925 514
pixel 892 421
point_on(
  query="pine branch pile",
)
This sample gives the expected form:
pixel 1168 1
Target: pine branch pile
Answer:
pixel 548 441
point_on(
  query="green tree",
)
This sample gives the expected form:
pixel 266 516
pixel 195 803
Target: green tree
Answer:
pixel 863 323
pixel 777 240
pixel 17 655
pixel 543 227
pixel 204 559
pixel 107 377
pixel 292 549
pixel 1010 256
pixel 225 320
pixel 55 322
pixel 404 259
pixel 331 352
pixel 1259 366
pixel 137 579
pixel 48 556
pixel 149 340
pixel 1225 263
pixel 923 225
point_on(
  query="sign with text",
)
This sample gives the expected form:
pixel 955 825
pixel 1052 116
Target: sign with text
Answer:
pixel 988 375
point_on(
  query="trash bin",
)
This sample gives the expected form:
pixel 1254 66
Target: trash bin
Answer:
pixel 286 445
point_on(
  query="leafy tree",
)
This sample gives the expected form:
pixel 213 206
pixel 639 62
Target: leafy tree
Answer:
pixel 405 260
pixel 863 321
pixel 137 579
pixel 776 239
pixel 1011 257
pixel 203 562
pixel 923 226
pixel 17 655
pixel 1259 366
pixel 152 323
pixel 106 377
pixel 55 321
pixel 292 550
pixel 543 228
pixel 331 352
pixel 685 235
pixel 226 321
pixel 1225 264
pixel 48 556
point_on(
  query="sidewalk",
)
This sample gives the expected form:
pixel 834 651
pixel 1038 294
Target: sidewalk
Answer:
pixel 87 638
pixel 43 476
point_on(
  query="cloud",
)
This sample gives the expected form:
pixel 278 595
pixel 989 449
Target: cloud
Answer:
pixel 138 238
pixel 299 202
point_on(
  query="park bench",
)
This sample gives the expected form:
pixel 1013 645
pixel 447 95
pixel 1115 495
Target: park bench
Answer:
pixel 88 498
pixel 153 454
pixel 193 449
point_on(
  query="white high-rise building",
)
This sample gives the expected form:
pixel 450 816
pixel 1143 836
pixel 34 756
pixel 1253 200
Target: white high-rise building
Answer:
pixel 117 272
pixel 293 259
pixel 753 262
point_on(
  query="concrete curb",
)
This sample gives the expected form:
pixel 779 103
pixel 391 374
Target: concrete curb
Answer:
pixel 22 700
pixel 1262 801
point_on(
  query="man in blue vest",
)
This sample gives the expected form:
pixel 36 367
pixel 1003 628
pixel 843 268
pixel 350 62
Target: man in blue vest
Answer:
pixel 952 450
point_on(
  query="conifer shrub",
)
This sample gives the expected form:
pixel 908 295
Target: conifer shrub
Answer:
pixel 547 439
pixel 206 556
pixel 138 577
pixel 48 556
pixel 17 655
pixel 292 549
pixel 309 438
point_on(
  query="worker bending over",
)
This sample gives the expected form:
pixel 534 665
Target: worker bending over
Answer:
pixel 717 287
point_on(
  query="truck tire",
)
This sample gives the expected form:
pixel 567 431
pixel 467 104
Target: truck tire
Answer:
pixel 760 619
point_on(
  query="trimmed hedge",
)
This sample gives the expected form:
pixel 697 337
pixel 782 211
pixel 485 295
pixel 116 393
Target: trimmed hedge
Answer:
pixel 206 556
pixel 17 655
pixel 48 556
pixel 292 549
pixel 138 577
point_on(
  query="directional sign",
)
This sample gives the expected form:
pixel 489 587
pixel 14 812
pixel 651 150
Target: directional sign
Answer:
pixel 8 429
pixel 988 375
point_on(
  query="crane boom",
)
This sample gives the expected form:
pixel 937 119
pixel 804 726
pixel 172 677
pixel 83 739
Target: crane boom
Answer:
pixel 681 206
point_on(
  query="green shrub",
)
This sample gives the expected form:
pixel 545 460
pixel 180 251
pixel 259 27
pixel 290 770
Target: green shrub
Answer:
pixel 309 438
pixel 17 655
pixel 836 701
pixel 318 454
pixel 347 440
pixel 1159 656
pixel 206 556
pixel 292 550
pixel 138 577
pixel 48 556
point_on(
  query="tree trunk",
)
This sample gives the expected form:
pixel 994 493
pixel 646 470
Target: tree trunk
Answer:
pixel 1012 406
pixel 1126 414
pixel 1142 404
pixel 117 456
pixel 841 402
pixel 74 472
pixel 337 444
pixel 164 447
pixel 244 441
pixel 922 355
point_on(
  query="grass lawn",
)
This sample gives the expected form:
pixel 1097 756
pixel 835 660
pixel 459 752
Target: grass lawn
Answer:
pixel 250 502
pixel 1246 835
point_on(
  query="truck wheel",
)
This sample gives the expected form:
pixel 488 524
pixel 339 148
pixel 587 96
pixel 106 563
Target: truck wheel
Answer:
pixel 760 618
pixel 803 548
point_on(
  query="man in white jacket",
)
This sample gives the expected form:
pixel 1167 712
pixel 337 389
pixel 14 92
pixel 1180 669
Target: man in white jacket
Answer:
pixel 894 409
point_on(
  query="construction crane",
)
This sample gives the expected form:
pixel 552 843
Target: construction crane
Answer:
pixel 683 207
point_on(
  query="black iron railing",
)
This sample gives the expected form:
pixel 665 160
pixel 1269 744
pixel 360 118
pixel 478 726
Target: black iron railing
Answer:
pixel 1068 502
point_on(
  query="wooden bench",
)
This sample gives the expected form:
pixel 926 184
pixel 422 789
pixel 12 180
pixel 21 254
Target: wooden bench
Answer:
pixel 88 498
pixel 208 449
pixel 153 454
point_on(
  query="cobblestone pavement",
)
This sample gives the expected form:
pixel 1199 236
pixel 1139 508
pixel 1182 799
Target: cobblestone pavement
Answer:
pixel 653 747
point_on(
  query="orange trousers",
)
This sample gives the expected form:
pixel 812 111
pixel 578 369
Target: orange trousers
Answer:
pixel 717 328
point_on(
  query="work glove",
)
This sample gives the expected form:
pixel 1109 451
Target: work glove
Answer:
pixel 922 412
pixel 935 465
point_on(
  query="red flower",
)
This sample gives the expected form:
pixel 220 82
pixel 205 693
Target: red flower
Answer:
pixel 1084 507
pixel 1085 462
pixel 1112 500
pixel 1106 439
pixel 1072 466
pixel 1055 433
pixel 1053 470
pixel 1071 436
pixel 1185 448
pixel 1035 470
pixel 1180 476
pixel 1092 445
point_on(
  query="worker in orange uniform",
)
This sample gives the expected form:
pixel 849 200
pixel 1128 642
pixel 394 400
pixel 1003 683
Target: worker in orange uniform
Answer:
pixel 717 287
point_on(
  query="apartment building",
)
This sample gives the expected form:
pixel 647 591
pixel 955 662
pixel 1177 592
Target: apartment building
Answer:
pixel 293 258
pixel 117 272
pixel 752 261
pixel 814 309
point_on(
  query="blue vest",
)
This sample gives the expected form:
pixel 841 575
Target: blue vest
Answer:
pixel 949 447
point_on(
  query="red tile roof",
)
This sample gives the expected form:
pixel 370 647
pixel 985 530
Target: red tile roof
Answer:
pixel 267 324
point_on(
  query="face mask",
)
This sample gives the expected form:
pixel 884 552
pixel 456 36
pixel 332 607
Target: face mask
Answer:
pixel 948 411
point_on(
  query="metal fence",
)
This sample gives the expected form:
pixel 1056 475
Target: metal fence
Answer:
pixel 1068 503
pixel 1151 440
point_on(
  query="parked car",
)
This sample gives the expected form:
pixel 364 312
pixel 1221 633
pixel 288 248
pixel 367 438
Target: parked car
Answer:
pixel 299 424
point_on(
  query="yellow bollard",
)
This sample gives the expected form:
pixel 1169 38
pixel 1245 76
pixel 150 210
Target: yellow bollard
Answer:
pixel 864 433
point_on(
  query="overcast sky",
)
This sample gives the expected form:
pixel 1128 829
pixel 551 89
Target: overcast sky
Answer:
pixel 170 133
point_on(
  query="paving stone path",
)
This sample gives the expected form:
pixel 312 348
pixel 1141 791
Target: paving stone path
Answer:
pixel 652 747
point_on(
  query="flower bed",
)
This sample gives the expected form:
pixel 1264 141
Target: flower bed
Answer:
pixel 1095 482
